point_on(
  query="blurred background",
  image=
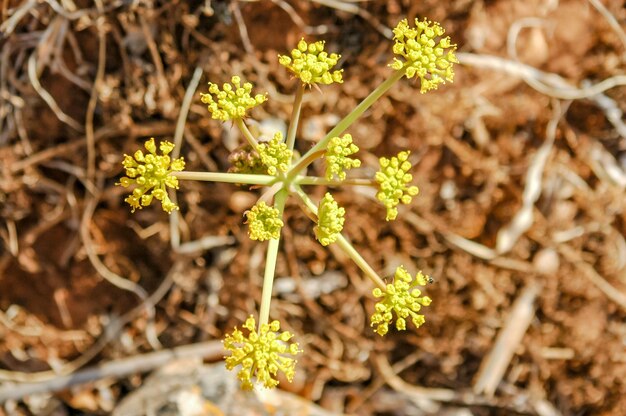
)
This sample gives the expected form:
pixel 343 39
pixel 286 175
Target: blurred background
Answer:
pixel 520 220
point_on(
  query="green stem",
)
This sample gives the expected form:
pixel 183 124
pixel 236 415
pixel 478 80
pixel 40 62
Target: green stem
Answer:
pixel 302 163
pixel 349 249
pixel 270 263
pixel 246 133
pixel 295 117
pixel 249 179
pixel 357 112
pixel 345 245
pixel 316 180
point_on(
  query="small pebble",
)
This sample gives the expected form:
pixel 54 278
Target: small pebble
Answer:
pixel 241 201
pixel 546 261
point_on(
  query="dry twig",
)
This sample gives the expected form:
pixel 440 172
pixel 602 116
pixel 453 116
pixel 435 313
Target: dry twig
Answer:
pixel 210 350
pixel 110 332
pixel 493 367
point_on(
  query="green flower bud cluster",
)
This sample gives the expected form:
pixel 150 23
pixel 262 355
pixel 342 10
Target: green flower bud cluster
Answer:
pixel 401 298
pixel 275 154
pixel 264 222
pixel 337 156
pixel 330 219
pixel 152 174
pixel 393 180
pixel 261 355
pixel 422 54
pixel 232 101
pixel 245 159
pixel 312 64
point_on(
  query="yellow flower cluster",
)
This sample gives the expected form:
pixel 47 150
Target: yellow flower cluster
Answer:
pixel 401 298
pixel 337 156
pixel 312 64
pixel 232 101
pixel 393 178
pixel 152 174
pixel 424 53
pixel 330 219
pixel 261 354
pixel 275 154
pixel 264 222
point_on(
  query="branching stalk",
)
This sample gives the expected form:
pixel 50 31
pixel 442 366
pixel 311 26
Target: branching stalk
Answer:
pixel 295 117
pixel 246 133
pixel 270 263
pixel 355 114
pixel 301 164
pixel 316 180
pixel 245 178
pixel 345 245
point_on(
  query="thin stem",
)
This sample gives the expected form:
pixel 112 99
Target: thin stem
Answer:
pixel 295 117
pixel 302 163
pixel 316 180
pixel 246 133
pixel 356 113
pixel 349 249
pixel 345 245
pixel 270 264
pixel 178 141
pixel 245 178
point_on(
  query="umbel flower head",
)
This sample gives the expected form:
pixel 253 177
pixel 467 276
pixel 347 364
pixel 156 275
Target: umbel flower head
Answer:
pixel 275 154
pixel 232 101
pixel 330 219
pixel 424 52
pixel 338 157
pixel 261 354
pixel 264 222
pixel 312 64
pixel 401 298
pixel 152 174
pixel 394 178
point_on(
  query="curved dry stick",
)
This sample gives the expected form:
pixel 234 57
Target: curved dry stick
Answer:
pixel 355 9
pixel 108 275
pixel 295 17
pixel 11 23
pixel 427 396
pixel 106 132
pixel 49 99
pixel 178 142
pixel 547 83
pixel 113 278
pixel 523 219
pixel 156 58
pixel 110 332
pixel 243 30
pixel 123 367
pixel 93 99
pixel 590 273
pixel 611 20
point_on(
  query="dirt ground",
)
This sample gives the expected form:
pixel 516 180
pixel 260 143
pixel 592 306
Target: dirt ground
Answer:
pixel 521 216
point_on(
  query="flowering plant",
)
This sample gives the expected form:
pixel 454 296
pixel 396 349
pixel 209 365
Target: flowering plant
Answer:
pixel 421 52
